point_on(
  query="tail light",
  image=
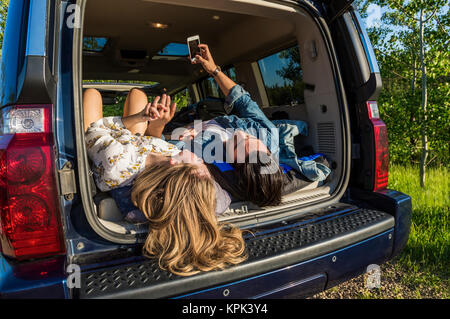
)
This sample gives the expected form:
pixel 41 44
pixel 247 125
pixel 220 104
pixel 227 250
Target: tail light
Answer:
pixel 30 225
pixel 381 147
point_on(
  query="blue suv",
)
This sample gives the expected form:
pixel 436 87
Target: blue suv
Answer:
pixel 309 60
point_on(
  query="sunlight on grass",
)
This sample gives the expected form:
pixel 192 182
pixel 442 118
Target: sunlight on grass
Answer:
pixel 428 244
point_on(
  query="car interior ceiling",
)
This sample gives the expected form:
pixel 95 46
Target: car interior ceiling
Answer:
pixel 127 25
pixel 235 39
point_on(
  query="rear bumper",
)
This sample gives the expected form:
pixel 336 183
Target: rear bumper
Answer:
pixel 299 257
pixel 309 277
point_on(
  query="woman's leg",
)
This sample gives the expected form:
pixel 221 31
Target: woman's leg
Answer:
pixel 135 102
pixel 92 107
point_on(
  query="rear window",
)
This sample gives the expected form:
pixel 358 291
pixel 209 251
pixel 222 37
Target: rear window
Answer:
pixel 94 44
pixel 175 49
pixel 283 77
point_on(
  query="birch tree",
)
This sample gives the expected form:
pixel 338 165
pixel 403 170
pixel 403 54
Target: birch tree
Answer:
pixel 412 46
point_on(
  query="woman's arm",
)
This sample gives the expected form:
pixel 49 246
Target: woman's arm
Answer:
pixel 207 61
pixel 131 120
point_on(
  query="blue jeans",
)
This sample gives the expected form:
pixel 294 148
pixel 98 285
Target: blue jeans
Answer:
pixel 310 169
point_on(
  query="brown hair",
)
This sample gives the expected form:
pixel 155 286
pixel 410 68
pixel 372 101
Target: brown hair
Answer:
pixel 260 183
pixel 184 233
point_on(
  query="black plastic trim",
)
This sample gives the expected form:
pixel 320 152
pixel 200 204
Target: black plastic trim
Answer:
pixel 38 86
pixel 395 203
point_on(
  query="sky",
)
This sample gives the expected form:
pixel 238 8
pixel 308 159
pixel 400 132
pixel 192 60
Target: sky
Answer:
pixel 374 13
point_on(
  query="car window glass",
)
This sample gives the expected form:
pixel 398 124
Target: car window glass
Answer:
pixel 283 77
pixel 210 88
pixel 182 98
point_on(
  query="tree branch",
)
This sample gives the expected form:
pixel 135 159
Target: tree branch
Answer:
pixel 435 156
pixel 431 16
pixel 393 57
pixel 441 26
pixel 414 18
pixel 400 76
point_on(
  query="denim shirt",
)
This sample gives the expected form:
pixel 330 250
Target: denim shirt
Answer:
pixel 278 136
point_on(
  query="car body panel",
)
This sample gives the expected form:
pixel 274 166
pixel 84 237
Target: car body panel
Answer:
pixel 36 279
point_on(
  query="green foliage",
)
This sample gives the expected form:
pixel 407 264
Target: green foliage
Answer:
pixel 284 95
pixel 292 72
pixel 114 109
pixel 182 99
pixel 119 81
pixel 93 43
pixel 3 13
pixel 396 43
pixel 293 87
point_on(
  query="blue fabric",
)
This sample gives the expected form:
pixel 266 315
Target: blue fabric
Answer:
pixel 248 117
pixel 311 157
pixel 130 213
pixel 288 130
pixel 122 196
pixel 285 168
pixel 223 167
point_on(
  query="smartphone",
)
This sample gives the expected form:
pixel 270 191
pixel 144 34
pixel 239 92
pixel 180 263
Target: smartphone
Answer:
pixel 193 43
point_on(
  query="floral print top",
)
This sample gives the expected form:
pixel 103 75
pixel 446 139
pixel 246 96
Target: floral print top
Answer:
pixel 118 156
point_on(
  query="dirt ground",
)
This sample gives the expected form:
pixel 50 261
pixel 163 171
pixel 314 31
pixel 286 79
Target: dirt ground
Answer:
pixel 395 284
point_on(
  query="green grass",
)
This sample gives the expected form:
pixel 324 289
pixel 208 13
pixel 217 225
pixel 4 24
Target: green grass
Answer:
pixel 422 268
pixel 426 257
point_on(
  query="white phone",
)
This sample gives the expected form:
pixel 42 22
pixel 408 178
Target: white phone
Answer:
pixel 193 43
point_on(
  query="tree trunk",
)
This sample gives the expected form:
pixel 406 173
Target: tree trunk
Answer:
pixel 414 70
pixel 412 109
pixel 423 158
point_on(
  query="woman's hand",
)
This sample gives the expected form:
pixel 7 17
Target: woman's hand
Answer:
pixel 205 59
pixel 149 113
pixel 159 113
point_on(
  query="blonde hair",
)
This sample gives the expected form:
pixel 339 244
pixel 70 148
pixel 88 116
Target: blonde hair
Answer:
pixel 184 233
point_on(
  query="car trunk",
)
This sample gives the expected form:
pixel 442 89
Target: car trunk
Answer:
pixel 240 34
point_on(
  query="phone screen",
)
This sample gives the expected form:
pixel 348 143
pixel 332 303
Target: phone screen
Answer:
pixel 193 48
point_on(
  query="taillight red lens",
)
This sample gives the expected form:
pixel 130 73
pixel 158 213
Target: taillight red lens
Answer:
pixel 30 225
pixel 25 165
pixel 381 147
